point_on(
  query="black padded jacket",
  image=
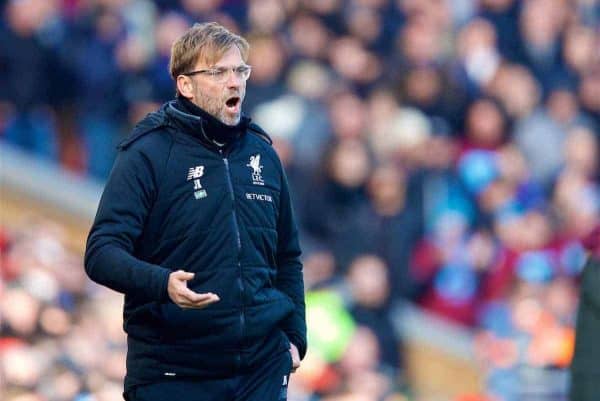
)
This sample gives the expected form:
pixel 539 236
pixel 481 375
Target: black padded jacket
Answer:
pixel 174 201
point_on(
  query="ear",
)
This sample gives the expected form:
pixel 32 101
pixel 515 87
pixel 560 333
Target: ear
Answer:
pixel 185 86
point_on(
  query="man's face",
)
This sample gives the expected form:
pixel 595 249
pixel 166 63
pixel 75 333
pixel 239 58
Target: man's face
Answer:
pixel 222 100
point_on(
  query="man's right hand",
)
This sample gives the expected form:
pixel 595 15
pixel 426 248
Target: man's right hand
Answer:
pixel 183 296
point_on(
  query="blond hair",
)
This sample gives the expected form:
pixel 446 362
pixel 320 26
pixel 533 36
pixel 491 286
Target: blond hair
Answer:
pixel 206 42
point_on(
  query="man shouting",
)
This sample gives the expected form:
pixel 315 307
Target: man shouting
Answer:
pixel 196 228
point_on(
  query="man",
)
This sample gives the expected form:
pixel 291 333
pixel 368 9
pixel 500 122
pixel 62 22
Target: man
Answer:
pixel 195 227
pixel 585 368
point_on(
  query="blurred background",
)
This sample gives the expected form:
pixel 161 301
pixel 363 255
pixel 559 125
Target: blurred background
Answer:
pixel 443 159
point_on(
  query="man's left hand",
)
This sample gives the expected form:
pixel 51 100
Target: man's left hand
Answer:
pixel 295 357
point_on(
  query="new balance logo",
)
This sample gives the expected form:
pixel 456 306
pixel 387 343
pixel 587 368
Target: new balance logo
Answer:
pixel 195 172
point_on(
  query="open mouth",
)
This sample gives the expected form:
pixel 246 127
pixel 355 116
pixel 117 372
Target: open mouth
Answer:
pixel 233 103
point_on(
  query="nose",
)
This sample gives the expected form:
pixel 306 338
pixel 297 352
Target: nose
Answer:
pixel 233 80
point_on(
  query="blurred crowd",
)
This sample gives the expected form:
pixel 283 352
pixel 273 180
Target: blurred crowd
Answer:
pixel 443 152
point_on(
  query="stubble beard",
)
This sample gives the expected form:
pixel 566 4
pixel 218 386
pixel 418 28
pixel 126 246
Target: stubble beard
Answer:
pixel 216 108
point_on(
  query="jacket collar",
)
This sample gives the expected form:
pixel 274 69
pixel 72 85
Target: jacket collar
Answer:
pixel 195 125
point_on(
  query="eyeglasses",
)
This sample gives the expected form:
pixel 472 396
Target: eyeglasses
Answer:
pixel 222 74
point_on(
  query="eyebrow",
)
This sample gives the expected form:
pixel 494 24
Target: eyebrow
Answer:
pixel 229 66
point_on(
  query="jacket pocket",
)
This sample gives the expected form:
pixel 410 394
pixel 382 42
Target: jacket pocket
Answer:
pixel 262 319
pixel 217 321
pixel 208 327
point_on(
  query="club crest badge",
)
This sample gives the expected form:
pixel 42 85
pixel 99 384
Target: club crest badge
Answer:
pixel 256 170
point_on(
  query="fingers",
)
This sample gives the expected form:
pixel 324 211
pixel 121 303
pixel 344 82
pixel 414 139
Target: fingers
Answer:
pixel 295 357
pixel 181 295
pixel 191 299
pixel 182 275
pixel 202 301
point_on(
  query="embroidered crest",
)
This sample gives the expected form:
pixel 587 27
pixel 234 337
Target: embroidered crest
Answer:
pixel 256 169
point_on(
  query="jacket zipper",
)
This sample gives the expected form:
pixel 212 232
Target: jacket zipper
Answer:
pixel 239 248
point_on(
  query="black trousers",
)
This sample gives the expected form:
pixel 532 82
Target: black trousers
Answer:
pixel 267 382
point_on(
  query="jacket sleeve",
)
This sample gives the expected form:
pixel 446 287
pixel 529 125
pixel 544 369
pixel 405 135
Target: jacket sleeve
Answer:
pixel 289 273
pixel 124 206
